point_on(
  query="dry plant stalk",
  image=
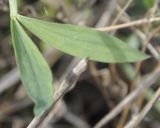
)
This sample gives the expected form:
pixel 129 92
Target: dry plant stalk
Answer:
pixel 138 118
pixel 143 85
pixel 67 84
pixel 129 24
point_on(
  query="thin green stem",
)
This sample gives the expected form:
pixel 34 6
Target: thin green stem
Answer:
pixel 13 7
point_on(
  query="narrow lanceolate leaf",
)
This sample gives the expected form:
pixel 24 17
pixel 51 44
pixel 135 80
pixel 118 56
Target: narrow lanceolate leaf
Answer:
pixel 82 41
pixel 35 73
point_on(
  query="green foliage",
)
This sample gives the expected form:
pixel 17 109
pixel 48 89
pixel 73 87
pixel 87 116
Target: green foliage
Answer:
pixel 137 9
pixel 149 3
pixel 78 41
pixel 82 41
pixel 35 72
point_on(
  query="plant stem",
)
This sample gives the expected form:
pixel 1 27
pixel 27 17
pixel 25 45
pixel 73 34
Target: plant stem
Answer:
pixel 129 24
pixel 13 7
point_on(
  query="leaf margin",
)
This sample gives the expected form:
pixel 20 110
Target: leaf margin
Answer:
pixel 141 56
pixel 37 109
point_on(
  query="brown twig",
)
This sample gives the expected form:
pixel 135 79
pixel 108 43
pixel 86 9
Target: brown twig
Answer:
pixel 146 83
pixel 96 76
pixel 67 84
pixel 129 24
pixel 146 40
pixel 146 45
pixel 138 118
pixel 122 11
pixel 61 111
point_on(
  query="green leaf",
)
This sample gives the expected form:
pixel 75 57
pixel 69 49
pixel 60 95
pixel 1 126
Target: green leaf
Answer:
pixel 149 3
pixel 35 72
pixel 82 41
pixel 13 7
